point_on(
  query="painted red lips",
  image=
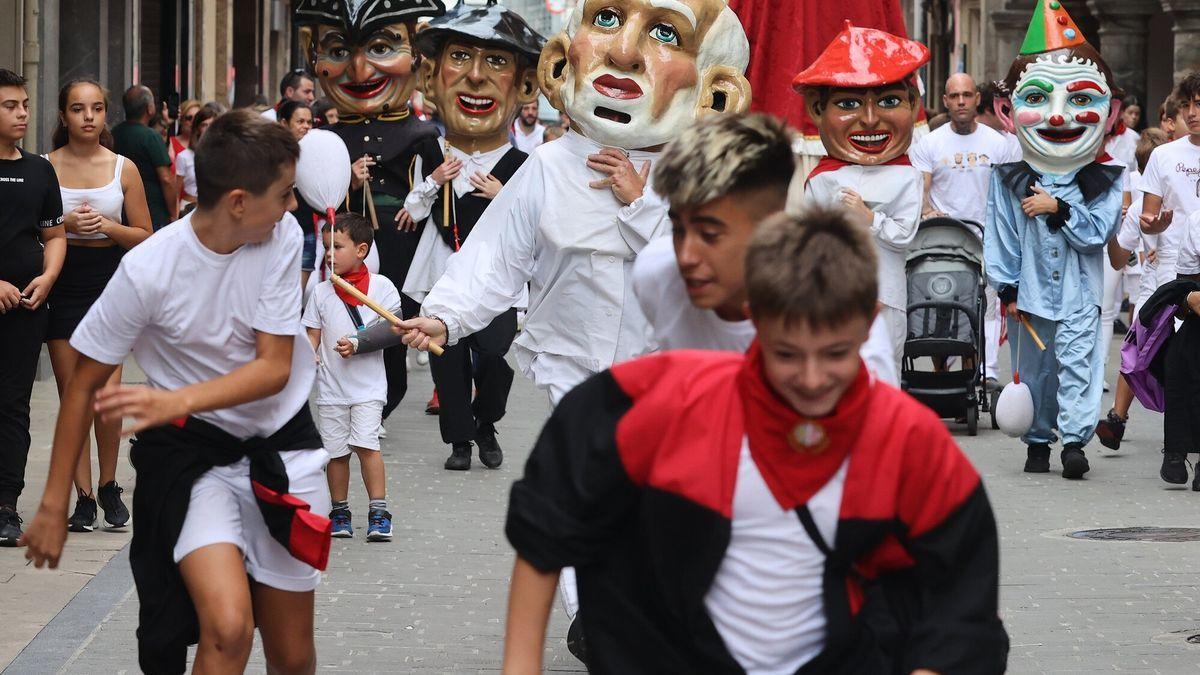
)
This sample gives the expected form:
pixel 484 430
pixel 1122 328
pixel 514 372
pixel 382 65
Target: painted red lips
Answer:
pixel 621 88
pixel 368 89
pixel 476 105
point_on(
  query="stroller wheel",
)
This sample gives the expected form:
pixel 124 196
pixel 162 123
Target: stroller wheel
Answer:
pixel 993 397
pixel 973 420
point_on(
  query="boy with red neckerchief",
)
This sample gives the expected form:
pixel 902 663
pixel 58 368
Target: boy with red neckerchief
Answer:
pixel 679 486
pixel 351 387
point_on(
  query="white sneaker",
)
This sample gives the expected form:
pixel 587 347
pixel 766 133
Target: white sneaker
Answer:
pixel 382 430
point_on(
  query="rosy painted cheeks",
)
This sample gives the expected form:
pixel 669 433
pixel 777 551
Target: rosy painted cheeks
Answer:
pixel 1029 118
pixel 1089 117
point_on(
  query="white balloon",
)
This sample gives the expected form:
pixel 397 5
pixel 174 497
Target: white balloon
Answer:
pixel 1014 410
pixel 323 172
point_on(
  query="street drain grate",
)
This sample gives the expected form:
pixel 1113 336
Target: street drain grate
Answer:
pixel 1154 534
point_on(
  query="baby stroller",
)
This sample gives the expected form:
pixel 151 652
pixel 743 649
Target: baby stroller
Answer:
pixel 945 310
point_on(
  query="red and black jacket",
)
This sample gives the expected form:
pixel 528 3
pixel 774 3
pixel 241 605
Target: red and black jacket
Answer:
pixel 632 482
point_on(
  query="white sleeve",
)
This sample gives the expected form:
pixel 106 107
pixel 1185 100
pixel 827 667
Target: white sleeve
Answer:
pixel 278 309
pixel 879 355
pixel 1151 182
pixel 919 155
pixel 896 228
pixel 419 201
pixel 1189 249
pixel 389 297
pixel 180 160
pixel 312 311
pixel 1129 236
pixel 643 220
pixel 485 277
pixel 114 322
pixel 649 268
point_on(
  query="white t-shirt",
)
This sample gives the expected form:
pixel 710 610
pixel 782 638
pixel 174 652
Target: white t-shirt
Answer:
pixel 360 378
pixel 526 142
pixel 1173 173
pixel 961 165
pixel 1123 148
pixel 185 166
pixel 1189 248
pixel 676 322
pixel 191 315
pixel 271 114
pixel 766 599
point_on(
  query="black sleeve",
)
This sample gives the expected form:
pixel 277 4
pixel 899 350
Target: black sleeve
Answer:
pixel 575 494
pixel 52 209
pixel 958 629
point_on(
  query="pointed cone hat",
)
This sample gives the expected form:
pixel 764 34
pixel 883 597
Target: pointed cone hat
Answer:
pixel 1051 28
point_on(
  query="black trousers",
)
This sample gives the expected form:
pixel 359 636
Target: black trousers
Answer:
pixel 21 335
pixel 454 372
pixel 396 250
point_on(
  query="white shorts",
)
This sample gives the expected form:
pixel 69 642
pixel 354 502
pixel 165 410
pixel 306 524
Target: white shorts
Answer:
pixel 355 425
pixel 222 510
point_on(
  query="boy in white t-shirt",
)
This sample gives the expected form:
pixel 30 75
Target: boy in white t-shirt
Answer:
pixel 715 207
pixel 351 388
pixel 229 531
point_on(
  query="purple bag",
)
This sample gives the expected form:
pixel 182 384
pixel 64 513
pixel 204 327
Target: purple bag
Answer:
pixel 1142 346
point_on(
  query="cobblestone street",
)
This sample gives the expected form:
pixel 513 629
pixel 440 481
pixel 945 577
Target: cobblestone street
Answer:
pixel 434 599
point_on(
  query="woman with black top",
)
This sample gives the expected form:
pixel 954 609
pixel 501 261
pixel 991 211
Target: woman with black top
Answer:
pixel 105 215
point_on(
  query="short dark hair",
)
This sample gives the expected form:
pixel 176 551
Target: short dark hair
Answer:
pixel 987 95
pixel 816 268
pixel 1168 109
pixel 1149 140
pixel 241 150
pixel 292 80
pixel 10 79
pixel 1189 88
pixel 136 101
pixel 289 108
pixel 208 111
pixel 357 227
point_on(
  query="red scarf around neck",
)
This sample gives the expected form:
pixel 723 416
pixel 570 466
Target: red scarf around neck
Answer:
pixel 360 279
pixel 795 475
pixel 828 163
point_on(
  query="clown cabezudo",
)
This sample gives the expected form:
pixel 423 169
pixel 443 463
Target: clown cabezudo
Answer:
pixel 1048 219
pixel 862 93
pixel 480 67
pixel 362 53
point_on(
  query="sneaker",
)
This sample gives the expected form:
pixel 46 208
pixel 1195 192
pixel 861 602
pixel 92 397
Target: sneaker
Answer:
pixel 1174 468
pixel 379 525
pixel 84 518
pixel 109 496
pixel 342 529
pixel 1111 430
pixel 433 407
pixel 1074 462
pixel 575 642
pixel 991 384
pixel 382 433
pixel 1037 459
pixel 489 450
pixel 460 457
pixel 10 526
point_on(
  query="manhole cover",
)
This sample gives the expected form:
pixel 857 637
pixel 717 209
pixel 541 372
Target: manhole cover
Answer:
pixel 1164 534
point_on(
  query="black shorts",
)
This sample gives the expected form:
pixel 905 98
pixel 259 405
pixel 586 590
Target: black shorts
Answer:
pixel 84 275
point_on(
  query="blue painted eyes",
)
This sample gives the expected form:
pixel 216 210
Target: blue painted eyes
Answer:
pixel 607 18
pixel 665 33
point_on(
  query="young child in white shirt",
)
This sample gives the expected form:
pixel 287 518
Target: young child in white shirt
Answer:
pixel 351 388
pixel 229 531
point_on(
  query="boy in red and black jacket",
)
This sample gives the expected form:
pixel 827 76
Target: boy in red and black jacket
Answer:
pixel 778 511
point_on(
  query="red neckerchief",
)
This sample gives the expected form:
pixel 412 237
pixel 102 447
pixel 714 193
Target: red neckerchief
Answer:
pixel 1104 157
pixel 828 163
pixel 795 475
pixel 360 279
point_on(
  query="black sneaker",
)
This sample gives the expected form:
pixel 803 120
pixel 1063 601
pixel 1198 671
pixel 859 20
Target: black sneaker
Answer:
pixel 10 526
pixel 460 457
pixel 1174 468
pixel 1074 462
pixel 84 518
pixel 1111 430
pixel 489 450
pixel 575 642
pixel 1037 459
pixel 109 496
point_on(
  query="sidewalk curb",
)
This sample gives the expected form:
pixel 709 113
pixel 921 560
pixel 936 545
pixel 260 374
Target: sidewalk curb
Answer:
pixel 56 644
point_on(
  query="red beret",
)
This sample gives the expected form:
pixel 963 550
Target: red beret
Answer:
pixel 863 57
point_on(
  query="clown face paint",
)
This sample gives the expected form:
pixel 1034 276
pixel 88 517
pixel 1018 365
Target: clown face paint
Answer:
pixel 867 126
pixel 369 77
pixel 632 77
pixel 475 90
pixel 1060 110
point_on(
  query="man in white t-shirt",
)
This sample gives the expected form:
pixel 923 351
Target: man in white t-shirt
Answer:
pixel 527 132
pixel 956 163
pixel 297 85
pixel 691 286
pixel 210 309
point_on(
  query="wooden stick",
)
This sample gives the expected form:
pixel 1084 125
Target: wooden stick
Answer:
pixel 341 283
pixel 1032 333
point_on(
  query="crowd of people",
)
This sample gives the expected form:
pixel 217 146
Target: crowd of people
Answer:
pixel 654 216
